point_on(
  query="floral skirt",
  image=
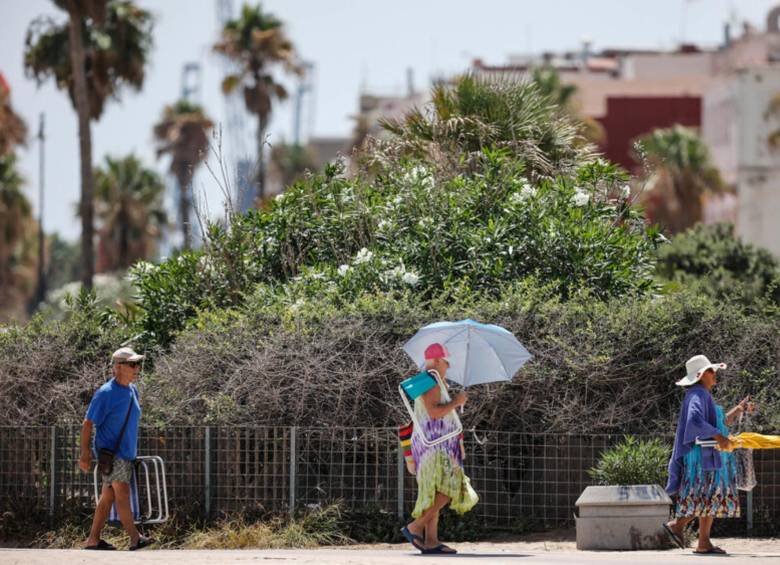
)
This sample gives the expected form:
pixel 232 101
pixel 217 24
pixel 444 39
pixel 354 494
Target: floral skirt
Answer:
pixel 708 493
pixel 439 473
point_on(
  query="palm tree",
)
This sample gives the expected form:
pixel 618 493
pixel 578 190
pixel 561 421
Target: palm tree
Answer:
pixel 17 259
pixel 683 173
pixel 13 130
pixel 549 82
pixel 183 132
pixel 129 205
pixel 475 113
pixel 102 48
pixel 256 42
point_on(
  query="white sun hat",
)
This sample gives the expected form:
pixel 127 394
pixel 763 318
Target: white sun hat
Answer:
pixel 696 366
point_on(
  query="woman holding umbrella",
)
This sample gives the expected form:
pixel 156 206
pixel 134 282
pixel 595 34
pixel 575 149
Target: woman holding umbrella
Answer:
pixel 439 467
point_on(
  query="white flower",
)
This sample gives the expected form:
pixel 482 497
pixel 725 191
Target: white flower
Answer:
pixel 411 279
pixel 425 223
pixel 383 225
pixel 581 198
pixel 279 197
pixel 343 270
pixel 526 191
pixel 625 192
pixel 363 256
pixel 298 304
pixel 397 200
pixel 394 274
pixel 318 276
pixel 420 174
pixel 144 267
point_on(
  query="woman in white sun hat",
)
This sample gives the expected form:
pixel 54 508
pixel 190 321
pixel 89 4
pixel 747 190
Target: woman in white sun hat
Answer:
pixel 703 478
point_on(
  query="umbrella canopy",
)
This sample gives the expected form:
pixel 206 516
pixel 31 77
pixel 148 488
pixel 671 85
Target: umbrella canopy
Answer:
pixel 479 353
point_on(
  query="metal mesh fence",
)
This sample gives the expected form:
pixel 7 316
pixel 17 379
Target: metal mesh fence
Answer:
pixel 519 477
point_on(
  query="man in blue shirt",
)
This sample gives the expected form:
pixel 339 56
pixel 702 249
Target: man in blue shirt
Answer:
pixel 114 403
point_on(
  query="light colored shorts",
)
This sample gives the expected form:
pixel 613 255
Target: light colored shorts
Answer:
pixel 121 473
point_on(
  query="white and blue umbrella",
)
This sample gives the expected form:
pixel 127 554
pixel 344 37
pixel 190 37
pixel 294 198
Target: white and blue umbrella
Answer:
pixel 479 353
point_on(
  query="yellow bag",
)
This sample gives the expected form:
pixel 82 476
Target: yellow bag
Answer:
pixel 750 440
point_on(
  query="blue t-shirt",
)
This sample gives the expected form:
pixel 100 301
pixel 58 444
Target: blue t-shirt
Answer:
pixel 107 412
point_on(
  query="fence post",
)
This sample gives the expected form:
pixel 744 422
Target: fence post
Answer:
pixel 750 510
pixel 207 473
pixel 53 472
pixel 293 460
pixel 401 469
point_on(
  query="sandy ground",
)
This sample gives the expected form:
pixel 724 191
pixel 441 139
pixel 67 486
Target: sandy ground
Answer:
pixel 743 551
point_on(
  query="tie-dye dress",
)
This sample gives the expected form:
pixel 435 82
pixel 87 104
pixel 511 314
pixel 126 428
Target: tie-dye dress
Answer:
pixel 709 493
pixel 440 467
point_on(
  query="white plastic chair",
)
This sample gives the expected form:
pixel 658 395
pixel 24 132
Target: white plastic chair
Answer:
pixel 149 470
pixel 418 428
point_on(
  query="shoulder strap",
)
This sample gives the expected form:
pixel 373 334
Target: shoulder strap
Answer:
pixel 127 417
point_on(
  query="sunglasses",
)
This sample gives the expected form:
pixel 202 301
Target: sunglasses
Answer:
pixel 130 363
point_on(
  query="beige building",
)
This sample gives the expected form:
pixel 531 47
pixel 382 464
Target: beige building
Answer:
pixel 738 84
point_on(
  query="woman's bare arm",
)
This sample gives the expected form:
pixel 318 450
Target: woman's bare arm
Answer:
pixel 436 410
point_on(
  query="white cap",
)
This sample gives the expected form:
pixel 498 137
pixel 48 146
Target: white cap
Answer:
pixel 696 366
pixel 126 355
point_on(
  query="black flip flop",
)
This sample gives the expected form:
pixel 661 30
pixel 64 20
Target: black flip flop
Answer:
pixel 675 538
pixel 440 549
pixel 711 551
pixel 102 545
pixel 142 543
pixel 414 539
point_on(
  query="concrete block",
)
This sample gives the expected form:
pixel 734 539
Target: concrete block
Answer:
pixel 622 517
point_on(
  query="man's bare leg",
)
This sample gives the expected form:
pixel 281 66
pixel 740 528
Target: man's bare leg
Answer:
pixel 102 510
pixel 122 495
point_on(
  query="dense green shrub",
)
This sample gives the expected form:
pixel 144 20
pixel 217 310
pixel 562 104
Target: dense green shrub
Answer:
pixel 598 366
pixel 633 462
pixel 714 260
pixel 412 230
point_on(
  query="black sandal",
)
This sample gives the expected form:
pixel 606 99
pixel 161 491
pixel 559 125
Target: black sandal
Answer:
pixel 102 545
pixel 711 551
pixel 675 538
pixel 440 549
pixel 414 539
pixel 142 543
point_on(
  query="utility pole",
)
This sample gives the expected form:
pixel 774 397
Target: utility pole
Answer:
pixel 40 294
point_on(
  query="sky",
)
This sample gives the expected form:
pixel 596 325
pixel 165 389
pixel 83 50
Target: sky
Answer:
pixel 355 45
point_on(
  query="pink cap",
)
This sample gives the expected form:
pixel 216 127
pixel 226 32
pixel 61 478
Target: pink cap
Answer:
pixel 436 351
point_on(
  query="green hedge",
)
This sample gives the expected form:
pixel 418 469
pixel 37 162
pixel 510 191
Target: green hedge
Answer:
pixel 597 367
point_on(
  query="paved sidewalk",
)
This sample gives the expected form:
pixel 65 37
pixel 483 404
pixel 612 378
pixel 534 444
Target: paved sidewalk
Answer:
pixel 485 554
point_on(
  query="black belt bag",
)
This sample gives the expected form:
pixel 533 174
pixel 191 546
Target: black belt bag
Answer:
pixel 105 461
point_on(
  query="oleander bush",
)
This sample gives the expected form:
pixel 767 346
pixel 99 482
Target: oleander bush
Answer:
pixel 411 230
pixel 715 261
pixel 633 462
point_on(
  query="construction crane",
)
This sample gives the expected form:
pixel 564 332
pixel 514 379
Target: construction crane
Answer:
pixel 305 86
pixel 234 133
pixel 191 83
